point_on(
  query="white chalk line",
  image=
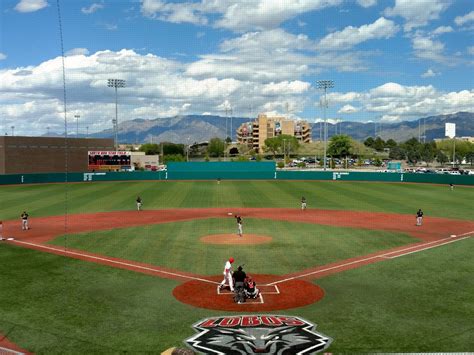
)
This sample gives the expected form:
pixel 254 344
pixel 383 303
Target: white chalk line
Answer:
pixel 381 256
pixel 433 246
pixel 116 262
pixel 5 351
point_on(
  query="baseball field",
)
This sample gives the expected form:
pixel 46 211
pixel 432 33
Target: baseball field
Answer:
pixel 94 275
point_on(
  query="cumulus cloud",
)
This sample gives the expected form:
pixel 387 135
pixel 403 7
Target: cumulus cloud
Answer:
pixel 470 50
pixel 426 48
pixel 31 97
pixel 348 109
pixel 239 16
pixel 91 9
pixel 77 51
pixel 396 102
pixel 30 5
pixel 429 73
pixel 367 3
pixel 3 56
pixel 443 29
pixel 461 20
pixel 417 13
pixel 351 36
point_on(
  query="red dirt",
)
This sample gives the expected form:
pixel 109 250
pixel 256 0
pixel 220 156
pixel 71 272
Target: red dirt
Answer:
pixel 6 345
pixel 234 239
pixel 47 228
pixel 292 294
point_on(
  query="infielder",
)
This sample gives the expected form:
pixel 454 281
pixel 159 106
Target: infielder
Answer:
pixel 24 221
pixel 419 217
pixel 303 203
pixel 239 225
pixel 228 275
pixel 139 203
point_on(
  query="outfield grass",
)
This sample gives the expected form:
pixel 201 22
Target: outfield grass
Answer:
pixel 417 303
pixel 294 247
pixel 50 199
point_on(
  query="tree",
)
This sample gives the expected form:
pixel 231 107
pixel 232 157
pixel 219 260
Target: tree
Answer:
pixel 369 142
pixel 428 153
pixel 441 157
pixel 172 148
pixel 150 149
pixel 340 146
pixel 379 144
pixel 216 147
pixel 273 145
pixel 390 143
pixel 397 153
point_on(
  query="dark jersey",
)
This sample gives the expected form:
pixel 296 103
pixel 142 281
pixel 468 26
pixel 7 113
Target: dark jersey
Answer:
pixel 24 215
pixel 419 214
pixel 239 276
pixel 239 219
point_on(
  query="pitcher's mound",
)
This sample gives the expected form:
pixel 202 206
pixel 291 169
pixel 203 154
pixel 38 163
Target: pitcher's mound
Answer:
pixel 235 239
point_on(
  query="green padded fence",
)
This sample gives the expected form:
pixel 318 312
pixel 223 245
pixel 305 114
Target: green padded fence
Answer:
pixel 221 170
pixel 234 171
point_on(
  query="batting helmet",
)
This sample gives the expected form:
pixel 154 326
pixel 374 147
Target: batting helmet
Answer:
pixel 231 260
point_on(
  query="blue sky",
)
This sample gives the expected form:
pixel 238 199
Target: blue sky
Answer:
pixel 391 60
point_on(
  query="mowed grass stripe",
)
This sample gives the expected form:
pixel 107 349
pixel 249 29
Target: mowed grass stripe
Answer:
pixel 295 246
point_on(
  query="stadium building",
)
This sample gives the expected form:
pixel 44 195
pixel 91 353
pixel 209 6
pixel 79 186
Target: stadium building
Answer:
pixel 253 134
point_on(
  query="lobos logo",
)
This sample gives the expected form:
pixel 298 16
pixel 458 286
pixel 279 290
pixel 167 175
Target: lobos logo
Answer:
pixel 264 334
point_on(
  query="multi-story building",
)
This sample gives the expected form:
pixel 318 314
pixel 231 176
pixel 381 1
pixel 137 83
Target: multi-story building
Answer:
pixel 253 134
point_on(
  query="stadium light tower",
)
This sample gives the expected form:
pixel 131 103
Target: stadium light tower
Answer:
pixel 325 85
pixel 77 124
pixel 116 83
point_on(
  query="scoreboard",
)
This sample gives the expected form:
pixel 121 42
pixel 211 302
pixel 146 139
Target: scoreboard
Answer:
pixel 109 160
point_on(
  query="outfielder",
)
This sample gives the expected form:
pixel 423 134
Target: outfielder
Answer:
pixel 303 203
pixel 139 203
pixel 228 275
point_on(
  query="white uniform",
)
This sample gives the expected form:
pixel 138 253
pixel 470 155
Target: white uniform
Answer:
pixel 24 221
pixel 239 227
pixel 1 230
pixel 227 276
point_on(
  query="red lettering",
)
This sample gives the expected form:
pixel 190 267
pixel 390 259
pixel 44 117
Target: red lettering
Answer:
pixel 272 321
pixel 291 321
pixel 250 321
pixel 208 323
pixel 230 322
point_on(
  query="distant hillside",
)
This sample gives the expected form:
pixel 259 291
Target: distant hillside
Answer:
pixel 197 128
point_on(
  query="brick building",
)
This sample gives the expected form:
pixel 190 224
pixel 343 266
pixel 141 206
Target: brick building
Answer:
pixel 253 134
pixel 23 155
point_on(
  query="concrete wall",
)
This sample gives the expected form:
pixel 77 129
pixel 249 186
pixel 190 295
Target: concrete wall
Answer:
pixel 24 155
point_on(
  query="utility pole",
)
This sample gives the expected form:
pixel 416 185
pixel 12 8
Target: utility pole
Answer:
pixel 77 125
pixel 325 85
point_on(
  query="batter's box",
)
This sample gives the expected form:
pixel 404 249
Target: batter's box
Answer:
pixel 264 290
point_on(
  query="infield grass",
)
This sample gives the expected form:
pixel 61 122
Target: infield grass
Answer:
pixel 50 199
pixel 294 246
pixel 417 303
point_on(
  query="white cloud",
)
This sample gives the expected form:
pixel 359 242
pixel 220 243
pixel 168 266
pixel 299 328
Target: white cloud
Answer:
pixel 417 13
pixel 236 16
pixel 367 3
pixel 3 56
pixel 461 20
pixel 91 9
pixel 348 109
pixel 110 27
pixel 470 50
pixel 77 51
pixel 443 29
pixel 426 48
pixel 395 101
pixel 30 5
pixel 286 87
pixel 351 36
pixel 429 73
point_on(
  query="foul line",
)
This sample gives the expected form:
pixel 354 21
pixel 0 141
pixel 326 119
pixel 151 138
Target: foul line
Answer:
pixel 381 256
pixel 9 351
pixel 433 246
pixel 116 262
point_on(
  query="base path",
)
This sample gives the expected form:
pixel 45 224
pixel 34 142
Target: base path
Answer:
pixel 9 348
pixel 278 292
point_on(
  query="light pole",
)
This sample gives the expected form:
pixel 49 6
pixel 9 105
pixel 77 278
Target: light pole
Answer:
pixel 116 83
pixel 47 131
pixel 77 125
pixel 284 151
pixel 87 131
pixel 325 85
pixel 13 130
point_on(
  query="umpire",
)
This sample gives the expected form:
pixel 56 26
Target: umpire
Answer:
pixel 239 277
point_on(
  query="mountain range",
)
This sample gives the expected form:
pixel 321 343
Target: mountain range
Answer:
pixel 198 128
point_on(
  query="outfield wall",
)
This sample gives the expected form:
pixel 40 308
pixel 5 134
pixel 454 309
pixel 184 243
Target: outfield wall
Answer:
pixel 235 171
